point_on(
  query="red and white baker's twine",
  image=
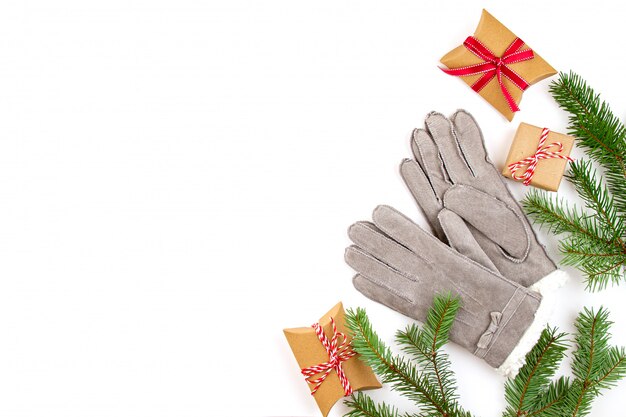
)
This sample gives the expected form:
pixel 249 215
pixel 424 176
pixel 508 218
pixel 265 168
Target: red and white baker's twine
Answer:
pixel 495 67
pixel 543 152
pixel 337 354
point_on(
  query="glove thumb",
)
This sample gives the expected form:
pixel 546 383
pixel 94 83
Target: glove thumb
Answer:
pixel 493 217
pixel 461 239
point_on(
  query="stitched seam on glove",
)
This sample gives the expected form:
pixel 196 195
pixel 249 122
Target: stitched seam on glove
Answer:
pixel 460 148
pixel 390 240
pixel 388 288
pixel 407 275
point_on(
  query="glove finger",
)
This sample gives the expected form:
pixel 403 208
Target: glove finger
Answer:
pixel 367 224
pixel 442 132
pixel 385 295
pixel 427 156
pixel 461 239
pixel 423 192
pixel 374 269
pixel 389 259
pixel 471 143
pixel 385 249
pixel 492 217
pixel 407 233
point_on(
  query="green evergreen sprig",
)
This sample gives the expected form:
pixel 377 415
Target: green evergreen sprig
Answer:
pixel 424 346
pixel 598 131
pixel 402 374
pixel 596 364
pixel 427 379
pixel 526 393
pixel 596 241
pixel 361 405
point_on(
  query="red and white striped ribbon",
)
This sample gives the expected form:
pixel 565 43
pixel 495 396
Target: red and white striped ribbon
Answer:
pixel 543 152
pixel 337 353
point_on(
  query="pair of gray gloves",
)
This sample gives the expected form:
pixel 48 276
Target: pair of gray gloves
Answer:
pixel 483 248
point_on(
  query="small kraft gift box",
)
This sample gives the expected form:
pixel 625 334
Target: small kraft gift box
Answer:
pixel 497 64
pixel 538 157
pixel 327 361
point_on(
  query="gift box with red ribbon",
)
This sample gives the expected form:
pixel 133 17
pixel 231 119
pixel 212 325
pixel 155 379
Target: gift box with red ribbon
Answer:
pixel 326 360
pixel 538 157
pixel 497 64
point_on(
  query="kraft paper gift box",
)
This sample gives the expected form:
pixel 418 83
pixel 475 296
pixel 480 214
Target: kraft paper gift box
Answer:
pixel 309 352
pixel 498 38
pixel 548 172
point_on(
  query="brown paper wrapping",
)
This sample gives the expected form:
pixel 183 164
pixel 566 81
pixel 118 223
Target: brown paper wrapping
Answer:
pixel 497 38
pixel 549 172
pixel 309 351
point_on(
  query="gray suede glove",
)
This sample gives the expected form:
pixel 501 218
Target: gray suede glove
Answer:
pixel 402 266
pixel 464 198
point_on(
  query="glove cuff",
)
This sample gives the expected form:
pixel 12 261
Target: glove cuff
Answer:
pixel 517 358
pixel 550 283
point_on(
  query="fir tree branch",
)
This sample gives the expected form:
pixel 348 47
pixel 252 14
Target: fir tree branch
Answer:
pixel 598 130
pixel 362 405
pixel 541 364
pixel 600 263
pixel 550 403
pixel 598 279
pixel 413 340
pixel 615 369
pixel 440 320
pixel 598 199
pixel 581 404
pixel 593 255
pixel 596 365
pixel 424 345
pixel 559 218
pixel 538 374
pixel 591 340
pixel 392 369
pixel 591 246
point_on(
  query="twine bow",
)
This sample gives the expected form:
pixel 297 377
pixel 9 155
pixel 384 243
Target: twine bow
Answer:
pixel 543 152
pixel 337 353
pixel 486 337
pixel 495 66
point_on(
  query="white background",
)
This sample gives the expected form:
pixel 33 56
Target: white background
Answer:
pixel 177 178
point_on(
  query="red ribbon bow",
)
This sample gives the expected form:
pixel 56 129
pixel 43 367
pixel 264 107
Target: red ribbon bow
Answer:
pixel 494 66
pixel 543 152
pixel 337 354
